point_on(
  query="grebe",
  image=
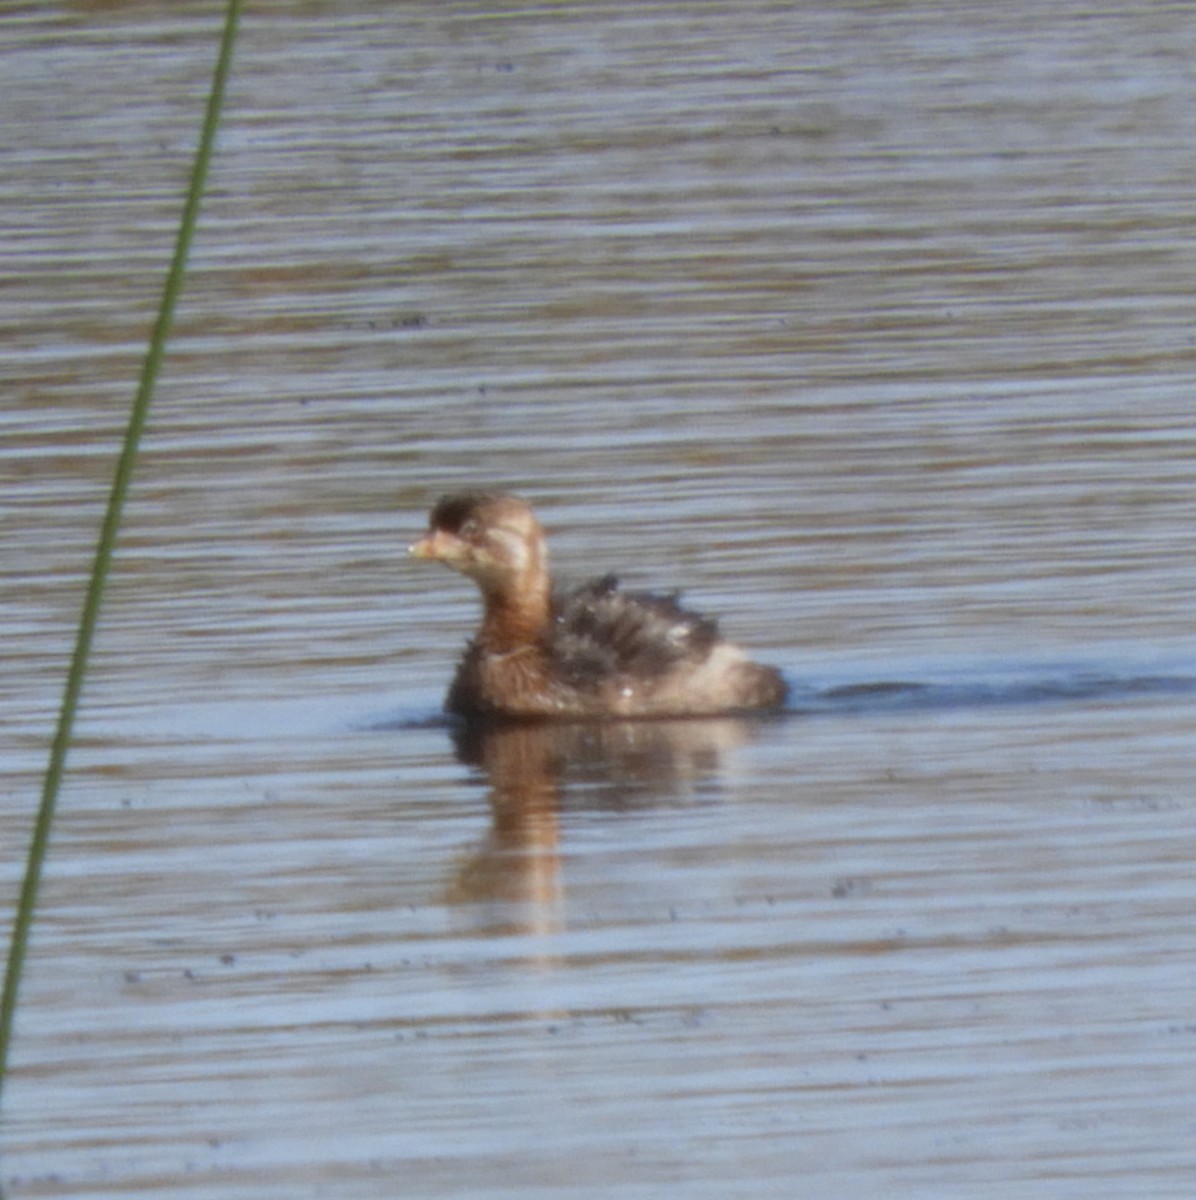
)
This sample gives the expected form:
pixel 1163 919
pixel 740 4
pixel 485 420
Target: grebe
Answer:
pixel 592 652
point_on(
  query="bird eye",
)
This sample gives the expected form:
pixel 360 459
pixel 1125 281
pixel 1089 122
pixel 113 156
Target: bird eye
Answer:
pixel 469 529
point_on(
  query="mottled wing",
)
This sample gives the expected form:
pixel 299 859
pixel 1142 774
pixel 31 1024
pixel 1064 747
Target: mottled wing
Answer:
pixel 601 633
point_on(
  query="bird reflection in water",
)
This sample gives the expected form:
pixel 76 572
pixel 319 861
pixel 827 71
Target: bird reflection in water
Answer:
pixel 538 770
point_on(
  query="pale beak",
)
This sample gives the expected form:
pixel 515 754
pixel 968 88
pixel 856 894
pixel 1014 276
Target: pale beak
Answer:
pixel 437 544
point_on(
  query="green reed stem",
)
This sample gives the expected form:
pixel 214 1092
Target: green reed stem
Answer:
pixel 103 557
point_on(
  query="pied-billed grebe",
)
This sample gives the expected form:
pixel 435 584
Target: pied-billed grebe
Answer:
pixel 593 652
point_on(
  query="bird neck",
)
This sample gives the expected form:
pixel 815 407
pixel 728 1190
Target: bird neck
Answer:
pixel 516 617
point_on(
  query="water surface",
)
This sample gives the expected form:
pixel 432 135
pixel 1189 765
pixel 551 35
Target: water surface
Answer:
pixel 871 328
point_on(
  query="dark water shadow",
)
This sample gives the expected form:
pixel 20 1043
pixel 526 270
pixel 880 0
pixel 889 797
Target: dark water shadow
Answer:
pixel 861 698
pixel 1084 686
